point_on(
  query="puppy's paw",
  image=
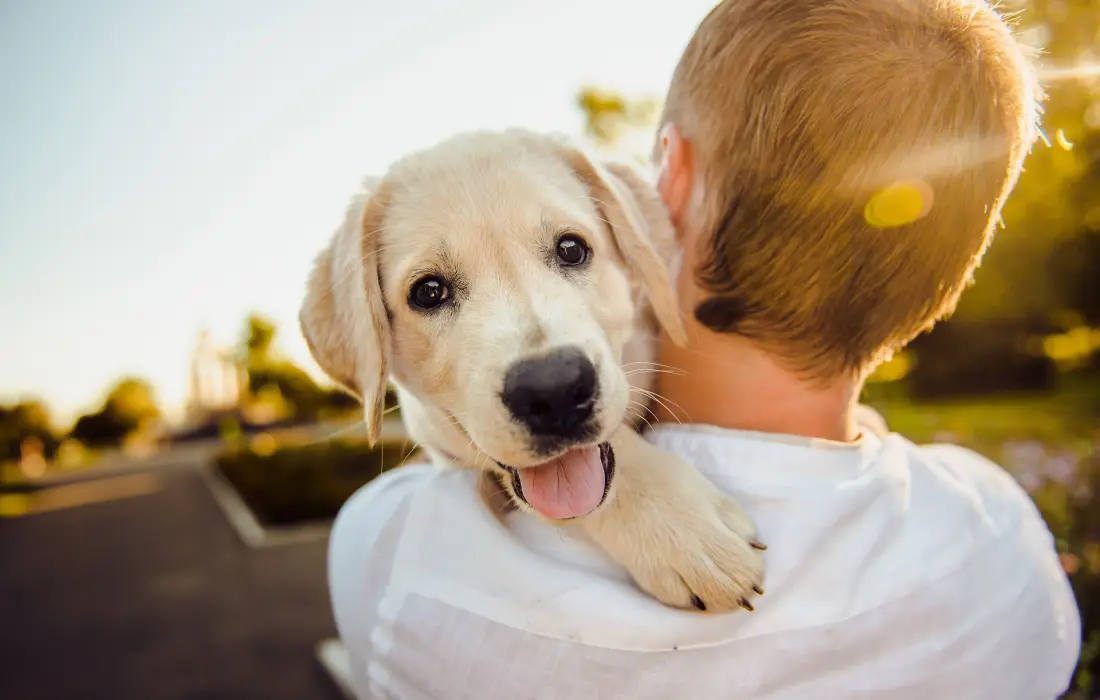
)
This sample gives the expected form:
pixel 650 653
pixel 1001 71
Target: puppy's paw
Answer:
pixel 707 559
pixel 684 541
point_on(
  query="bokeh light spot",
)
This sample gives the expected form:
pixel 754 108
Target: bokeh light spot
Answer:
pixel 898 204
pixel 1064 142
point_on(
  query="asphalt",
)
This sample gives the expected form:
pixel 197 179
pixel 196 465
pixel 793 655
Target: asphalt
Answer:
pixel 154 597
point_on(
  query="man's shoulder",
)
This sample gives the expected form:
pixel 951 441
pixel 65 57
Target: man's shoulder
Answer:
pixel 954 462
pixel 1025 584
pixel 370 521
pixel 388 489
pixel 957 467
pixel 1021 547
pixel 963 506
pixel 378 503
pixel 983 483
pixel 368 533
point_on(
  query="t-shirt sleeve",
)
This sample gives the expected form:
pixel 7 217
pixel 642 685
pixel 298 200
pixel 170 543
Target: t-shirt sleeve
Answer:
pixel 1055 632
pixel 360 557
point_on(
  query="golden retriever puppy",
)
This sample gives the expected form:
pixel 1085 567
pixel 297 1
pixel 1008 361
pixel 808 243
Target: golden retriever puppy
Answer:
pixel 509 287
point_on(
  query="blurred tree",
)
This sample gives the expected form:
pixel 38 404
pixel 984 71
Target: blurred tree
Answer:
pixel 133 401
pixel 1075 265
pixel 130 406
pixel 22 421
pixel 1025 275
pixel 273 379
pixel 259 340
pixel 614 121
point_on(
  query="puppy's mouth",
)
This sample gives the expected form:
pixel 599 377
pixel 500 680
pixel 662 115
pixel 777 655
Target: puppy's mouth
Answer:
pixel 568 486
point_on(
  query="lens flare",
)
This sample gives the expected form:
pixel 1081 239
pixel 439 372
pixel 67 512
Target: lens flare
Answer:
pixel 898 204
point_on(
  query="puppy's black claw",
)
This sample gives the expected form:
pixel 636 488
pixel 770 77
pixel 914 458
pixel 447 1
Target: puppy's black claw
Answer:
pixel 747 605
pixel 757 544
pixel 758 589
pixel 698 603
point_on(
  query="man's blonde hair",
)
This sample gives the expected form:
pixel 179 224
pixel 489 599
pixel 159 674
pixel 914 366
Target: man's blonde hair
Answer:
pixel 801 112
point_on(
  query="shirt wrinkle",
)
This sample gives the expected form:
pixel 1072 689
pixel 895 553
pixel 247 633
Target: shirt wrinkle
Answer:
pixel 894 571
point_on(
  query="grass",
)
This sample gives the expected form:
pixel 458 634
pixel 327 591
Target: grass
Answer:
pixel 1068 418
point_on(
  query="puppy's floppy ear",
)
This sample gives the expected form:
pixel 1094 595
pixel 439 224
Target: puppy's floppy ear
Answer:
pixel 343 317
pixel 641 229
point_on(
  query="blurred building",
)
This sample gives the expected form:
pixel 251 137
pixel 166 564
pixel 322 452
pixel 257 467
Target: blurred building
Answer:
pixel 216 380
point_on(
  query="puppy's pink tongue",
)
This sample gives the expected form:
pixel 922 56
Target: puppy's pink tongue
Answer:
pixel 567 487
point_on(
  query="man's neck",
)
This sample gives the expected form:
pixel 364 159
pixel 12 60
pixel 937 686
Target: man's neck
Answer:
pixel 727 382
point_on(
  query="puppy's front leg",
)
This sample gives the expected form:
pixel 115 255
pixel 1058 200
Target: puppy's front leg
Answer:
pixel 684 541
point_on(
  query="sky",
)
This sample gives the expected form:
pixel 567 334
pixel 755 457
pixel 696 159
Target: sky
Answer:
pixel 172 166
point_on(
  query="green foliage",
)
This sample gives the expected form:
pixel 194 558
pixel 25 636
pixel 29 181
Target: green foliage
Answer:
pixel 1027 273
pixel 133 401
pixel 130 405
pixel 610 117
pixel 270 374
pixel 259 339
pixel 1075 264
pixel 1059 419
pixel 1000 357
pixel 307 482
pixel 22 421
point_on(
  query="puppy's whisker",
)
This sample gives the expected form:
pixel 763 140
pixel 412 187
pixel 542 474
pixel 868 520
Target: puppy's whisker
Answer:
pixel 374 252
pixel 655 364
pixel 638 416
pixel 357 425
pixel 339 432
pixel 597 201
pixel 454 421
pixel 415 446
pixel 633 372
pixel 664 402
pixel 377 249
pixel 470 446
pixel 645 407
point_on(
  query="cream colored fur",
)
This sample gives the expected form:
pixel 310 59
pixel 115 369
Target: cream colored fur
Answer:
pixel 484 208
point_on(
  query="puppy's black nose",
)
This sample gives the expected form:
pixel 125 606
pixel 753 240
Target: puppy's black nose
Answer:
pixel 552 395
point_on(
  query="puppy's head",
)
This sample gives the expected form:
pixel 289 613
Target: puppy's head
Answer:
pixel 496 277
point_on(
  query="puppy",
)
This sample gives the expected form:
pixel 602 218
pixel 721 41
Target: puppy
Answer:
pixel 510 287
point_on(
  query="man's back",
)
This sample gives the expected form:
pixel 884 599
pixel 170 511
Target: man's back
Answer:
pixel 894 571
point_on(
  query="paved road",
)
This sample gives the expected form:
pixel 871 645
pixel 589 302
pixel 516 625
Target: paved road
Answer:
pixel 154 597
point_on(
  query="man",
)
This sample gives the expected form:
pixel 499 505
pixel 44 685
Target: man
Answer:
pixel 835 169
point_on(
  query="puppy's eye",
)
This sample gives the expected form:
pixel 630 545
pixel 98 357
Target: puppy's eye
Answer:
pixel 429 292
pixel 572 250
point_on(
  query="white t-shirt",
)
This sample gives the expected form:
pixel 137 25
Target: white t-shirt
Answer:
pixel 893 572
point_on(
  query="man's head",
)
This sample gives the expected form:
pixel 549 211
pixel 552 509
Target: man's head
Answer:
pixel 836 169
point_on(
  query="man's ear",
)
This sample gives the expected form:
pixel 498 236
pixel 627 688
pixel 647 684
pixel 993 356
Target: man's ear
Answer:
pixel 343 317
pixel 675 177
pixel 641 229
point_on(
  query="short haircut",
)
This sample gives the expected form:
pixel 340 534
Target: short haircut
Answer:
pixel 800 113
